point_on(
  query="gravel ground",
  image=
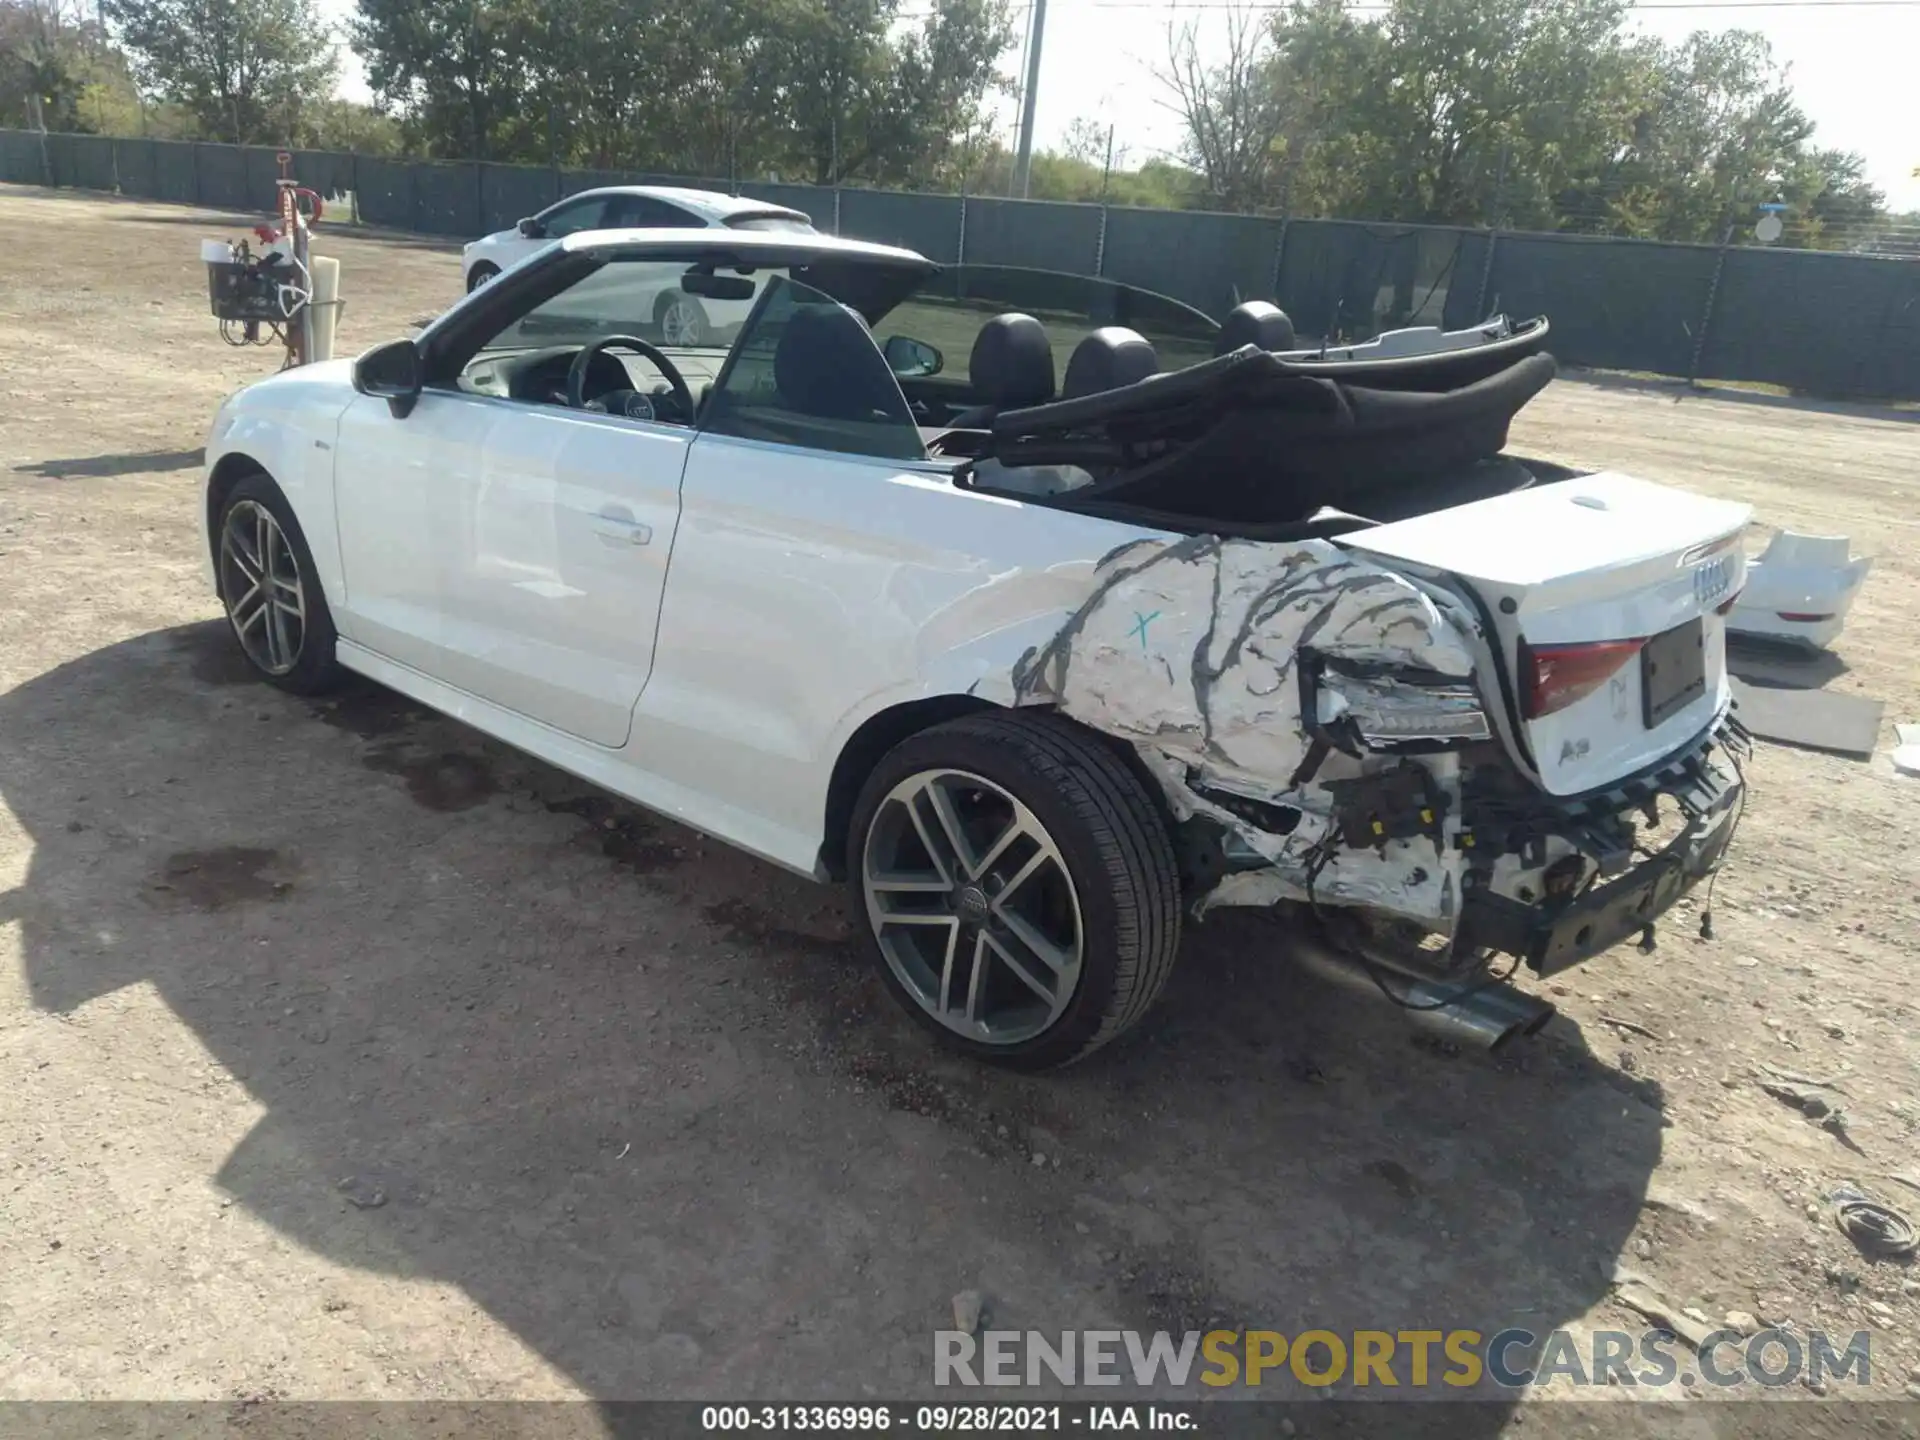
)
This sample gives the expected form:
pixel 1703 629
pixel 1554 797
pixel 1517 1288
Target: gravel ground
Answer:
pixel 349 1055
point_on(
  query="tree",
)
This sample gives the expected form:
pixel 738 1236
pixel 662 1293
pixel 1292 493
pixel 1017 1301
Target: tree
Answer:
pixel 451 68
pixel 1448 111
pixel 1542 114
pixel 941 76
pixel 828 90
pixel 58 70
pixel 1716 134
pixel 1232 109
pixel 1087 140
pixel 245 69
pixel 1839 205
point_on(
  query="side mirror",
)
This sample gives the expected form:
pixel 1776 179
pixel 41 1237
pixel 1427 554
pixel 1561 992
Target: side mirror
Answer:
pixel 531 228
pixel 911 359
pixel 709 286
pixel 390 372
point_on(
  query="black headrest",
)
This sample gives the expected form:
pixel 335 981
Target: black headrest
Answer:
pixel 1110 357
pixel 1012 362
pixel 1257 322
pixel 826 366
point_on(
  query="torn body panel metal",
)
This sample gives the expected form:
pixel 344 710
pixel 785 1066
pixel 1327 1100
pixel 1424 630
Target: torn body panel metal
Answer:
pixel 1206 654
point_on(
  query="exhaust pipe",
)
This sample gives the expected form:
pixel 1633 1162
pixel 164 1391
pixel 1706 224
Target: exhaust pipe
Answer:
pixel 1467 1013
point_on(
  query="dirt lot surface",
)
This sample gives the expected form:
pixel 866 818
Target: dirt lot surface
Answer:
pixel 349 1055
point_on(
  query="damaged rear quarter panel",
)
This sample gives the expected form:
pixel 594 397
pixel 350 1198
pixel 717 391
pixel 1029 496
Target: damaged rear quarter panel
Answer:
pixel 1190 649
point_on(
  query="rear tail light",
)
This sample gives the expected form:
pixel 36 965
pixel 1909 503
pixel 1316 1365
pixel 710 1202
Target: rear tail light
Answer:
pixel 1561 675
pixel 1387 710
pixel 1795 617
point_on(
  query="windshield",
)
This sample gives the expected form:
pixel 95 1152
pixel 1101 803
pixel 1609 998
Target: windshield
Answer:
pixel 651 300
pixel 948 309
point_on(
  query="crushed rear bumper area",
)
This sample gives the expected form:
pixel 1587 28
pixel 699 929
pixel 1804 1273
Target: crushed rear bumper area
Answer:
pixel 1622 902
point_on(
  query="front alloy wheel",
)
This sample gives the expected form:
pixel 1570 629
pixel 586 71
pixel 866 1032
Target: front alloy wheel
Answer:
pixel 972 906
pixel 274 603
pixel 260 578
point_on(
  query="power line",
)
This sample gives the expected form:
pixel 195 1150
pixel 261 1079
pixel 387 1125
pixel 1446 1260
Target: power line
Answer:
pixel 1171 5
pixel 1695 6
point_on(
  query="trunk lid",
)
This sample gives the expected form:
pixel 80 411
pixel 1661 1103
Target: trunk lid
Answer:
pixel 1605 599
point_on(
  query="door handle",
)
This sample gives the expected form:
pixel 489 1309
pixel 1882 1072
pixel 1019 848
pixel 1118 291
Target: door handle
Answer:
pixel 621 529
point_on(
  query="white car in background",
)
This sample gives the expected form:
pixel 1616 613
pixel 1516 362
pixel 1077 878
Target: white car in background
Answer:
pixel 679 319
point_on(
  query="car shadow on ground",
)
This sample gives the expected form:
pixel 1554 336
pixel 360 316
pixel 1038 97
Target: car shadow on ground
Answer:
pixel 1781 664
pixel 640 1098
pixel 110 467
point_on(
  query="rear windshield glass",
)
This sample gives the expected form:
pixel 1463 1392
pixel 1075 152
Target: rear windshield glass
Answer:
pixel 793 223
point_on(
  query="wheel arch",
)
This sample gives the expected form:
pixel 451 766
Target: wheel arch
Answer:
pixel 884 729
pixel 874 737
pixel 227 472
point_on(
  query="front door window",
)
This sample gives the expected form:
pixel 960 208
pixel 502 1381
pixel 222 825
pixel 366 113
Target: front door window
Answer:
pixel 576 215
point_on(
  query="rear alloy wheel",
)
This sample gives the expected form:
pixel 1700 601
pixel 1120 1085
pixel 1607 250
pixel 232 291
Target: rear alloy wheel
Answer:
pixel 480 275
pixel 267 587
pixel 1018 887
pixel 683 320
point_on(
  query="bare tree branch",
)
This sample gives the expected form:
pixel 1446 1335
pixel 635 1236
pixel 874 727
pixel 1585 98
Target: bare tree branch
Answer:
pixel 1232 120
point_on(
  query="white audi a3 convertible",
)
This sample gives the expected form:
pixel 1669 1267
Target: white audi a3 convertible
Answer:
pixel 1042 660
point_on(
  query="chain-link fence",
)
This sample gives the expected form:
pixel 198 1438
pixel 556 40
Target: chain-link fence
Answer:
pixel 1833 324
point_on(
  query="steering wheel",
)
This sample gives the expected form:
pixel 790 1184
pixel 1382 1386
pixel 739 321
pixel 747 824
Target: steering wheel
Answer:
pixel 577 371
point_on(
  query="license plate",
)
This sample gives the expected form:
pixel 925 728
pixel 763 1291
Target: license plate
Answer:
pixel 1673 671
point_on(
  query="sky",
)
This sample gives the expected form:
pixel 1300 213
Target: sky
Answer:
pixel 1853 69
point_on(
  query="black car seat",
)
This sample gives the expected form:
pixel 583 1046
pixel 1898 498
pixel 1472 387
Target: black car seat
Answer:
pixel 1011 367
pixel 1257 322
pixel 1110 357
pixel 825 366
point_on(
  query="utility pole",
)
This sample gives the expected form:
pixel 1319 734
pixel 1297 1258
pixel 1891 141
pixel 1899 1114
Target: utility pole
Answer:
pixel 1023 162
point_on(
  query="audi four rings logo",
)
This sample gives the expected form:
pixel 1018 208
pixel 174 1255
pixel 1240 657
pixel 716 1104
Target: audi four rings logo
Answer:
pixel 1712 580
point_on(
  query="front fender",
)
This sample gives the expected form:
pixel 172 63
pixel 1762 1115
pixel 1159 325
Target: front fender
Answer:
pixel 286 426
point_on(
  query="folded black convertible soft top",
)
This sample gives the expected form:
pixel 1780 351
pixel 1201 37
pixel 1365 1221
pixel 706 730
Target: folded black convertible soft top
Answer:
pixel 1249 437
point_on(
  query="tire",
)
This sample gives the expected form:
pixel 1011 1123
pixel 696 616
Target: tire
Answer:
pixel 682 319
pixel 304 645
pixel 1101 849
pixel 481 274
